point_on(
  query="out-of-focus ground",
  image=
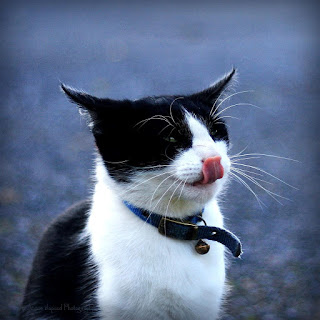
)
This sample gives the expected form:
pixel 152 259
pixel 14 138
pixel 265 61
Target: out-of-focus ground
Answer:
pixel 130 50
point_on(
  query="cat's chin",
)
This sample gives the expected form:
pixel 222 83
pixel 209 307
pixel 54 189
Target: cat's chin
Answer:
pixel 201 193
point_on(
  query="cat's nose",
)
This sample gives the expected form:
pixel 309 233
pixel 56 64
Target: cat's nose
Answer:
pixel 212 170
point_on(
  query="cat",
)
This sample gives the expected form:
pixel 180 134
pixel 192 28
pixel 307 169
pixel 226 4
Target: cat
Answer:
pixel 135 250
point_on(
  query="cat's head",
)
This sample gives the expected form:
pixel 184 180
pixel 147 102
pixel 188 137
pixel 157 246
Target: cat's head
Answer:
pixel 167 154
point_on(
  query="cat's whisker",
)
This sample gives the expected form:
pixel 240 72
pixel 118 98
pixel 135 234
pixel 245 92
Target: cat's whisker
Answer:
pixel 116 162
pixel 163 118
pixel 165 193
pixel 155 117
pixel 230 117
pixel 235 105
pixel 184 184
pixel 262 154
pixel 216 106
pixel 171 132
pixel 265 172
pixel 170 108
pixel 165 154
pixel 146 167
pixel 146 180
pixel 168 125
pixel 248 187
pixel 213 109
pixel 235 160
pixel 157 188
pixel 270 193
pixel 226 98
pixel 239 153
pixel 174 191
pixel 158 166
pixel 247 171
pixel 144 121
pixel 220 122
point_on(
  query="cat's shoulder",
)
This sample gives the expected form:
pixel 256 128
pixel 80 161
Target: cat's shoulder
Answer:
pixel 64 233
pixel 61 267
pixel 67 225
pixel 72 221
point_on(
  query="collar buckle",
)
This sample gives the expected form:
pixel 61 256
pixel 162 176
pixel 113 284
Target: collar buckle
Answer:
pixel 178 229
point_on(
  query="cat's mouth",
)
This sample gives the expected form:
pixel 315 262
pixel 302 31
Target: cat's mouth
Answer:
pixel 212 170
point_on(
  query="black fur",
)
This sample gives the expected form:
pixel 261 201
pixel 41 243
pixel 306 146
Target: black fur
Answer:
pixel 61 284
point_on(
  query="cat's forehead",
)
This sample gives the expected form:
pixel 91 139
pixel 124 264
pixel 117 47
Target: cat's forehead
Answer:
pixel 163 102
pixel 172 105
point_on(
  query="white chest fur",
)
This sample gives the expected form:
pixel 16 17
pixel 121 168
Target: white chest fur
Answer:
pixel 144 275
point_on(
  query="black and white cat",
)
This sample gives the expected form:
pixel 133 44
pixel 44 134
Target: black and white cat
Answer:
pixel 132 251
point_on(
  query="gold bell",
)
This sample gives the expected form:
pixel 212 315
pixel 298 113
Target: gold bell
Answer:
pixel 202 247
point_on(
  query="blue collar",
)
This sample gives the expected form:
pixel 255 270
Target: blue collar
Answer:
pixel 188 229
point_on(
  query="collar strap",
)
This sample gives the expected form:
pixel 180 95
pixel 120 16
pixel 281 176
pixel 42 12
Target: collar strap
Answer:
pixel 188 229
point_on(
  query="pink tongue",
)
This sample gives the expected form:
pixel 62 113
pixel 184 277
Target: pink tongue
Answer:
pixel 212 170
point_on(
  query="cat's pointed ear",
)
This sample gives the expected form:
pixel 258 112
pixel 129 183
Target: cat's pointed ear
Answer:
pixel 82 99
pixel 93 108
pixel 215 91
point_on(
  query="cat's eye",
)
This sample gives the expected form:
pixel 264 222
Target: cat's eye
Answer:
pixel 171 139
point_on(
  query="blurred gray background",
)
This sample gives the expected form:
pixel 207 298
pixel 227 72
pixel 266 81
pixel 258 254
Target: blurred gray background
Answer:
pixel 133 49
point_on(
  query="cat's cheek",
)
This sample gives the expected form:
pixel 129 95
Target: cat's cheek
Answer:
pixel 222 149
pixel 226 163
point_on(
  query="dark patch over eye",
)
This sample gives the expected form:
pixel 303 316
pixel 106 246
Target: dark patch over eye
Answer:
pixel 143 147
pixel 218 130
pixel 179 136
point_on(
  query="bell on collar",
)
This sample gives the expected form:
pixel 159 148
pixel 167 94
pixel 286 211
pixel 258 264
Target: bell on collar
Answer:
pixel 202 247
